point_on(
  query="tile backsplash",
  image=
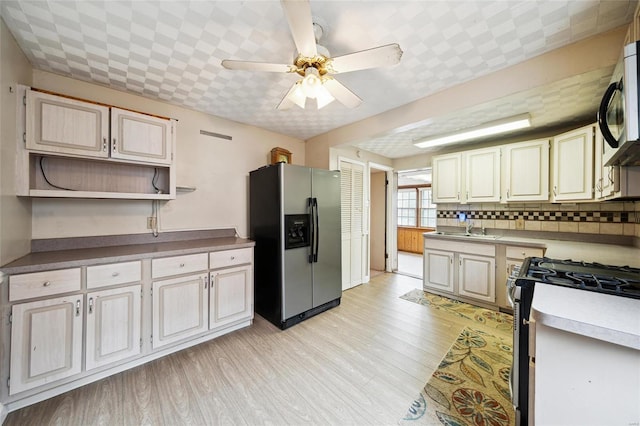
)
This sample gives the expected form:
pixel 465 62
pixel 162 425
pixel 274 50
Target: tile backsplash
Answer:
pixel 608 218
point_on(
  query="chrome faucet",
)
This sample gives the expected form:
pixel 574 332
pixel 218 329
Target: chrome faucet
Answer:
pixel 469 226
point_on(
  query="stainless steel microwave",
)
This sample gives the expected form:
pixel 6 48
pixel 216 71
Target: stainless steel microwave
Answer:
pixel 618 117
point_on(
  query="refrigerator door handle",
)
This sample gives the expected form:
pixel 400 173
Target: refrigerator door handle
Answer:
pixel 316 230
pixel 312 237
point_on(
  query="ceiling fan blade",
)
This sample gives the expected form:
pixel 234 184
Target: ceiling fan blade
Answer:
pixel 381 56
pixel 292 97
pixel 298 15
pixel 257 66
pixel 341 93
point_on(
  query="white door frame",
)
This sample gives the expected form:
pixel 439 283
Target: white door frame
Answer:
pixel 391 230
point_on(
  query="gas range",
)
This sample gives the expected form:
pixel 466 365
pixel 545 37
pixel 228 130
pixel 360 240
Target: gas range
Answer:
pixel 615 280
pixel 606 279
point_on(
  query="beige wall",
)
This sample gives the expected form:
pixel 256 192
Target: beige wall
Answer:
pixel 217 168
pixel 15 213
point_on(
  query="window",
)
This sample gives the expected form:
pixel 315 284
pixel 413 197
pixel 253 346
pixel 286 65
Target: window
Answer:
pixel 407 202
pixel 427 209
pixel 415 207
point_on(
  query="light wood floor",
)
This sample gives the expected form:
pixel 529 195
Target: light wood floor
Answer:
pixel 362 362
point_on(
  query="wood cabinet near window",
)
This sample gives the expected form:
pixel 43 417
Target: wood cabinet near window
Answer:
pixel 410 239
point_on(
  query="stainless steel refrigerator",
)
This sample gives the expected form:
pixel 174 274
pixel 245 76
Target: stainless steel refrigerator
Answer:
pixel 294 218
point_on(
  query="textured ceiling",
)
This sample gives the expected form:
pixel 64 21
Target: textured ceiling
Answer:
pixel 171 50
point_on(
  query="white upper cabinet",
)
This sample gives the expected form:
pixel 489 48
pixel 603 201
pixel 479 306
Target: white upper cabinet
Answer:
pixel 447 178
pixel 482 175
pixel 66 126
pixel 573 165
pixel 525 174
pixel 140 137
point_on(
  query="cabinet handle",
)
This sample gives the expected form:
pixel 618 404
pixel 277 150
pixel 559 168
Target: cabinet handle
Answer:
pixel 46 284
pixel 524 253
pixel 467 195
pixel 91 305
pixel 115 274
pixel 77 308
pixel 104 144
pixel 182 265
pixel 555 193
pixel 206 282
pixel 233 258
pixel 507 193
pixel 114 146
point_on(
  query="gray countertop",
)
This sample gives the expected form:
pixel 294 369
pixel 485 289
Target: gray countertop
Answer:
pixel 608 254
pixel 70 258
pixel 605 317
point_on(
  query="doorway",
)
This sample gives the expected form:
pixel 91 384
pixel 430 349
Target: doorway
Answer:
pixel 380 218
pixel 416 215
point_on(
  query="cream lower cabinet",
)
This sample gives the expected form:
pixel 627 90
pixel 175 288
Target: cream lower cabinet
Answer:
pixel 476 277
pixel 438 270
pixel 180 309
pixel 113 325
pixel 69 327
pixel 46 341
pixel 230 296
pixel 460 269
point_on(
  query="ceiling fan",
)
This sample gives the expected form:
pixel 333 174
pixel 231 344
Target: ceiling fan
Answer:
pixel 314 64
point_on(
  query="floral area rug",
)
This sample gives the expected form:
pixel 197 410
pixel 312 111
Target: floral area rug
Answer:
pixel 470 386
pixel 487 317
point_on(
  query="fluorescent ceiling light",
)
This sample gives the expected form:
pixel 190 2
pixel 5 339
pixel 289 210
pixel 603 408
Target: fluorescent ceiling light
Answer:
pixel 487 129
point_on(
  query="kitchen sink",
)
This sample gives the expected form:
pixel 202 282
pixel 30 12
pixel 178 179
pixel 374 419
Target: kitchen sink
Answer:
pixel 468 235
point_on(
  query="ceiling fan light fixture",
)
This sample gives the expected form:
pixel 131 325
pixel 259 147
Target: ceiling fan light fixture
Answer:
pixel 311 83
pixel 297 95
pixel 492 128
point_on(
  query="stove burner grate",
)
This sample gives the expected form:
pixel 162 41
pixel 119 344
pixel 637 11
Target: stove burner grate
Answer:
pixel 621 281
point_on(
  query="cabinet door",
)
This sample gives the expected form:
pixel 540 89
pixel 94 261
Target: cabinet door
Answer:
pixel 113 325
pixel 140 137
pixel 179 309
pixel 526 171
pixel 62 125
pixel 46 342
pixel 230 296
pixel 476 277
pixel 438 270
pixel 447 178
pixel 573 165
pixel 482 175
pixel 605 177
